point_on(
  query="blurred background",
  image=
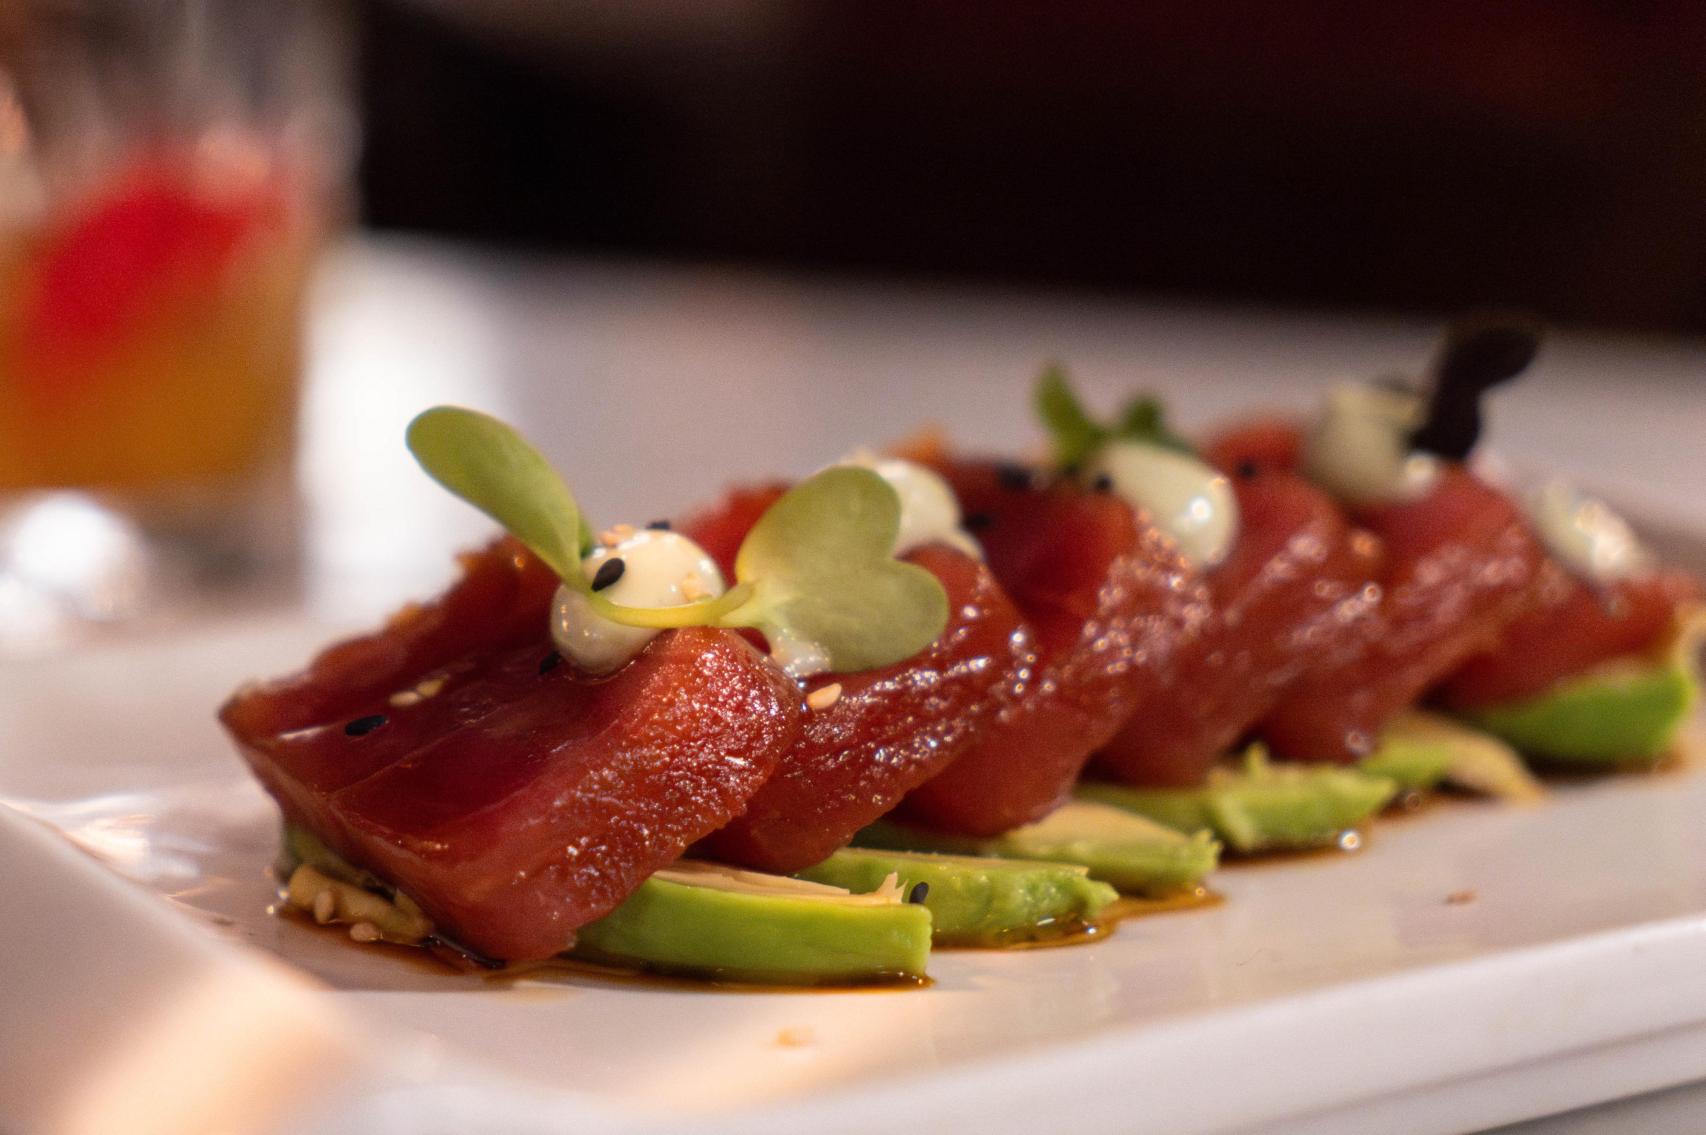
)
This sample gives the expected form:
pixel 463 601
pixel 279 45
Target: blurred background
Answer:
pixel 1418 157
pixel 683 243
pixel 242 241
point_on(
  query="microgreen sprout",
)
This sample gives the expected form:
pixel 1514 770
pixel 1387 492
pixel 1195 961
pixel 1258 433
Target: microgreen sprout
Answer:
pixel 817 567
pixel 1077 436
pixel 493 468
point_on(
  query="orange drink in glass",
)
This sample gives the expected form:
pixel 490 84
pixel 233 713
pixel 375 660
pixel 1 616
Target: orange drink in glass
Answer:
pixel 167 173
pixel 149 328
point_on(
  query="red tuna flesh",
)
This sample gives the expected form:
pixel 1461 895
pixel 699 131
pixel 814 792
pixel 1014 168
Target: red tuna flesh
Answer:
pixel 1270 443
pixel 1295 587
pixel 1574 628
pixel 515 801
pixel 1460 567
pixel 1108 599
pixel 891 729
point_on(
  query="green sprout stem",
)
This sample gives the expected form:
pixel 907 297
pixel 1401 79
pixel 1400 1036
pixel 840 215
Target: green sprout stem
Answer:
pixel 704 613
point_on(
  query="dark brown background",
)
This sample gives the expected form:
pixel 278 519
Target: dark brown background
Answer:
pixel 1419 157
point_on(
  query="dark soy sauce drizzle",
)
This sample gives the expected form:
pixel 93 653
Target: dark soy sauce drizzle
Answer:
pixel 1478 353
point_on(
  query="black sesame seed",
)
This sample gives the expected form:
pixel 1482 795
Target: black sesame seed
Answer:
pixel 1012 476
pixel 362 726
pixel 1103 483
pixel 920 891
pixel 1247 470
pixel 659 526
pixel 550 662
pixel 608 573
pixel 977 521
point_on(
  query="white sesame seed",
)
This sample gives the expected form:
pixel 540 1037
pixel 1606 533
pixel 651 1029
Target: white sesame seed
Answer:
pixel 364 932
pixel 404 698
pixel 430 686
pixel 325 905
pixel 615 534
pixel 825 696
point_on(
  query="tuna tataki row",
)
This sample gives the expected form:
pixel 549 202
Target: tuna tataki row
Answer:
pixel 802 734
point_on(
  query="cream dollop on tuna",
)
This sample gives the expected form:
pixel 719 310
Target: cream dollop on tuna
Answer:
pixel 659 569
pixel 1586 535
pixel 1359 448
pixel 1186 498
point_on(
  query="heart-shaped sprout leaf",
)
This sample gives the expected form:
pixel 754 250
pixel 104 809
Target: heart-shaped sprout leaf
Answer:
pixel 492 467
pixel 822 573
pixel 1077 435
pixel 817 569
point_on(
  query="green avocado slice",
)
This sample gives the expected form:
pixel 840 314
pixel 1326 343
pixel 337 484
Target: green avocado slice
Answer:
pixel 1128 852
pixel 698 919
pixel 976 901
pixel 1626 711
pixel 1413 764
pixel 1263 806
pixel 1422 750
pixel 723 923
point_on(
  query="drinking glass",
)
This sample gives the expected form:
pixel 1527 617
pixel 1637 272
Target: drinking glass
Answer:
pixel 168 171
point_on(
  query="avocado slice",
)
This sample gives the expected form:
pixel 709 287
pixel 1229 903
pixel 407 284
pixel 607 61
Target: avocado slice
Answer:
pixel 699 919
pixel 1421 750
pixel 724 923
pixel 1263 806
pixel 977 901
pixel 1414 764
pixel 1128 852
pixel 1626 711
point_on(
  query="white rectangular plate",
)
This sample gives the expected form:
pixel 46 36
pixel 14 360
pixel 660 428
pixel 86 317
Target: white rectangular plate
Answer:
pixel 1472 964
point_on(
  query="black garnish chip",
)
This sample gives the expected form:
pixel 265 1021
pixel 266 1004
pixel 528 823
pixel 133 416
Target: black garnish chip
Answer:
pixel 550 662
pixel 1478 354
pixel 1247 470
pixel 1102 484
pixel 362 726
pixel 977 521
pixel 919 892
pixel 1013 476
pixel 608 573
pixel 659 526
